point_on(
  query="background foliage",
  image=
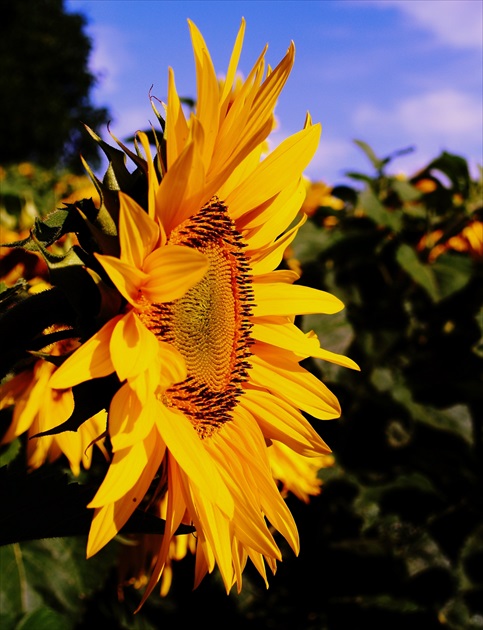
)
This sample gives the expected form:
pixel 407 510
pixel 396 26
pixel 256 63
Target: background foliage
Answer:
pixel 395 540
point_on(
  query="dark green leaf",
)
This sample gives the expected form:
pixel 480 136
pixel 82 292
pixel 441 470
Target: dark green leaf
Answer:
pixel 405 190
pixel 375 210
pixel 375 161
pixel 456 168
pixel 9 452
pixel 45 619
pixel 452 273
pixel 310 242
pixel 421 273
pixel 46 504
pixel 456 419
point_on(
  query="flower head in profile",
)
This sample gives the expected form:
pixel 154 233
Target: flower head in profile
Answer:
pixel 205 348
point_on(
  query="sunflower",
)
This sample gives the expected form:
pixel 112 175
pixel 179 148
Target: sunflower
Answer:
pixel 206 348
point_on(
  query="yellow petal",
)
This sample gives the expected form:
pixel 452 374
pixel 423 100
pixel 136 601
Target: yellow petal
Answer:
pixel 175 512
pixel 232 67
pixel 279 420
pixel 133 347
pixel 293 384
pixel 268 258
pixel 240 173
pixel 291 156
pixel 279 275
pixel 171 271
pixel 286 299
pixel 138 233
pixel 129 420
pixel 207 107
pixel 128 279
pixel 152 179
pixel 334 357
pixel 248 524
pixel 284 334
pixel 57 406
pixel 250 117
pixel 91 360
pixel 216 528
pixel 16 392
pixel 297 473
pixel 28 408
pixel 177 131
pixel 273 85
pixel 109 519
pixel 128 467
pixel 180 192
pixel 250 438
pixel 173 366
pixel 188 450
pixel 70 444
pixel 232 145
pixel 264 225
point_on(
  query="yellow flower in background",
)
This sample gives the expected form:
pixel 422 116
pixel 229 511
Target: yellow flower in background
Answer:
pixel 36 406
pixel 297 473
pixel 469 240
pixel 206 348
pixel 319 194
pixel 39 408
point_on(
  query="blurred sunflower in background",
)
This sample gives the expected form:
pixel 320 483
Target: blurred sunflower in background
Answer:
pixel 37 408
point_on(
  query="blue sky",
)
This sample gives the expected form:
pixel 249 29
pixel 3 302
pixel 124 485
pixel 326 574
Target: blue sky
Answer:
pixel 394 73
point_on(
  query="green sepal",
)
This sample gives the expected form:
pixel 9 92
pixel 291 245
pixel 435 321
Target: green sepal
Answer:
pixel 101 233
pixel 117 175
pixel 48 231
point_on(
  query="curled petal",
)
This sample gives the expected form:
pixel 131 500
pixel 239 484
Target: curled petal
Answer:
pixel 171 271
pixel 132 346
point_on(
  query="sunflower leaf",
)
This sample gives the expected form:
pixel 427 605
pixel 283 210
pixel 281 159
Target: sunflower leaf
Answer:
pixel 375 161
pixel 421 274
pixel 452 272
pixel 455 419
pixel 375 210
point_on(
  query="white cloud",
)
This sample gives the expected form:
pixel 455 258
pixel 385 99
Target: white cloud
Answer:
pixel 447 115
pixel 454 22
pixel 332 158
pixel 109 58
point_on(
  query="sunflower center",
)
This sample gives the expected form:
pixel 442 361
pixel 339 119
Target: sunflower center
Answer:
pixel 210 325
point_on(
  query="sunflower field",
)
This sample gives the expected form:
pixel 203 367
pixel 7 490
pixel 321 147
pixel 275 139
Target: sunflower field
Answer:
pixel 325 343
pixel 396 535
